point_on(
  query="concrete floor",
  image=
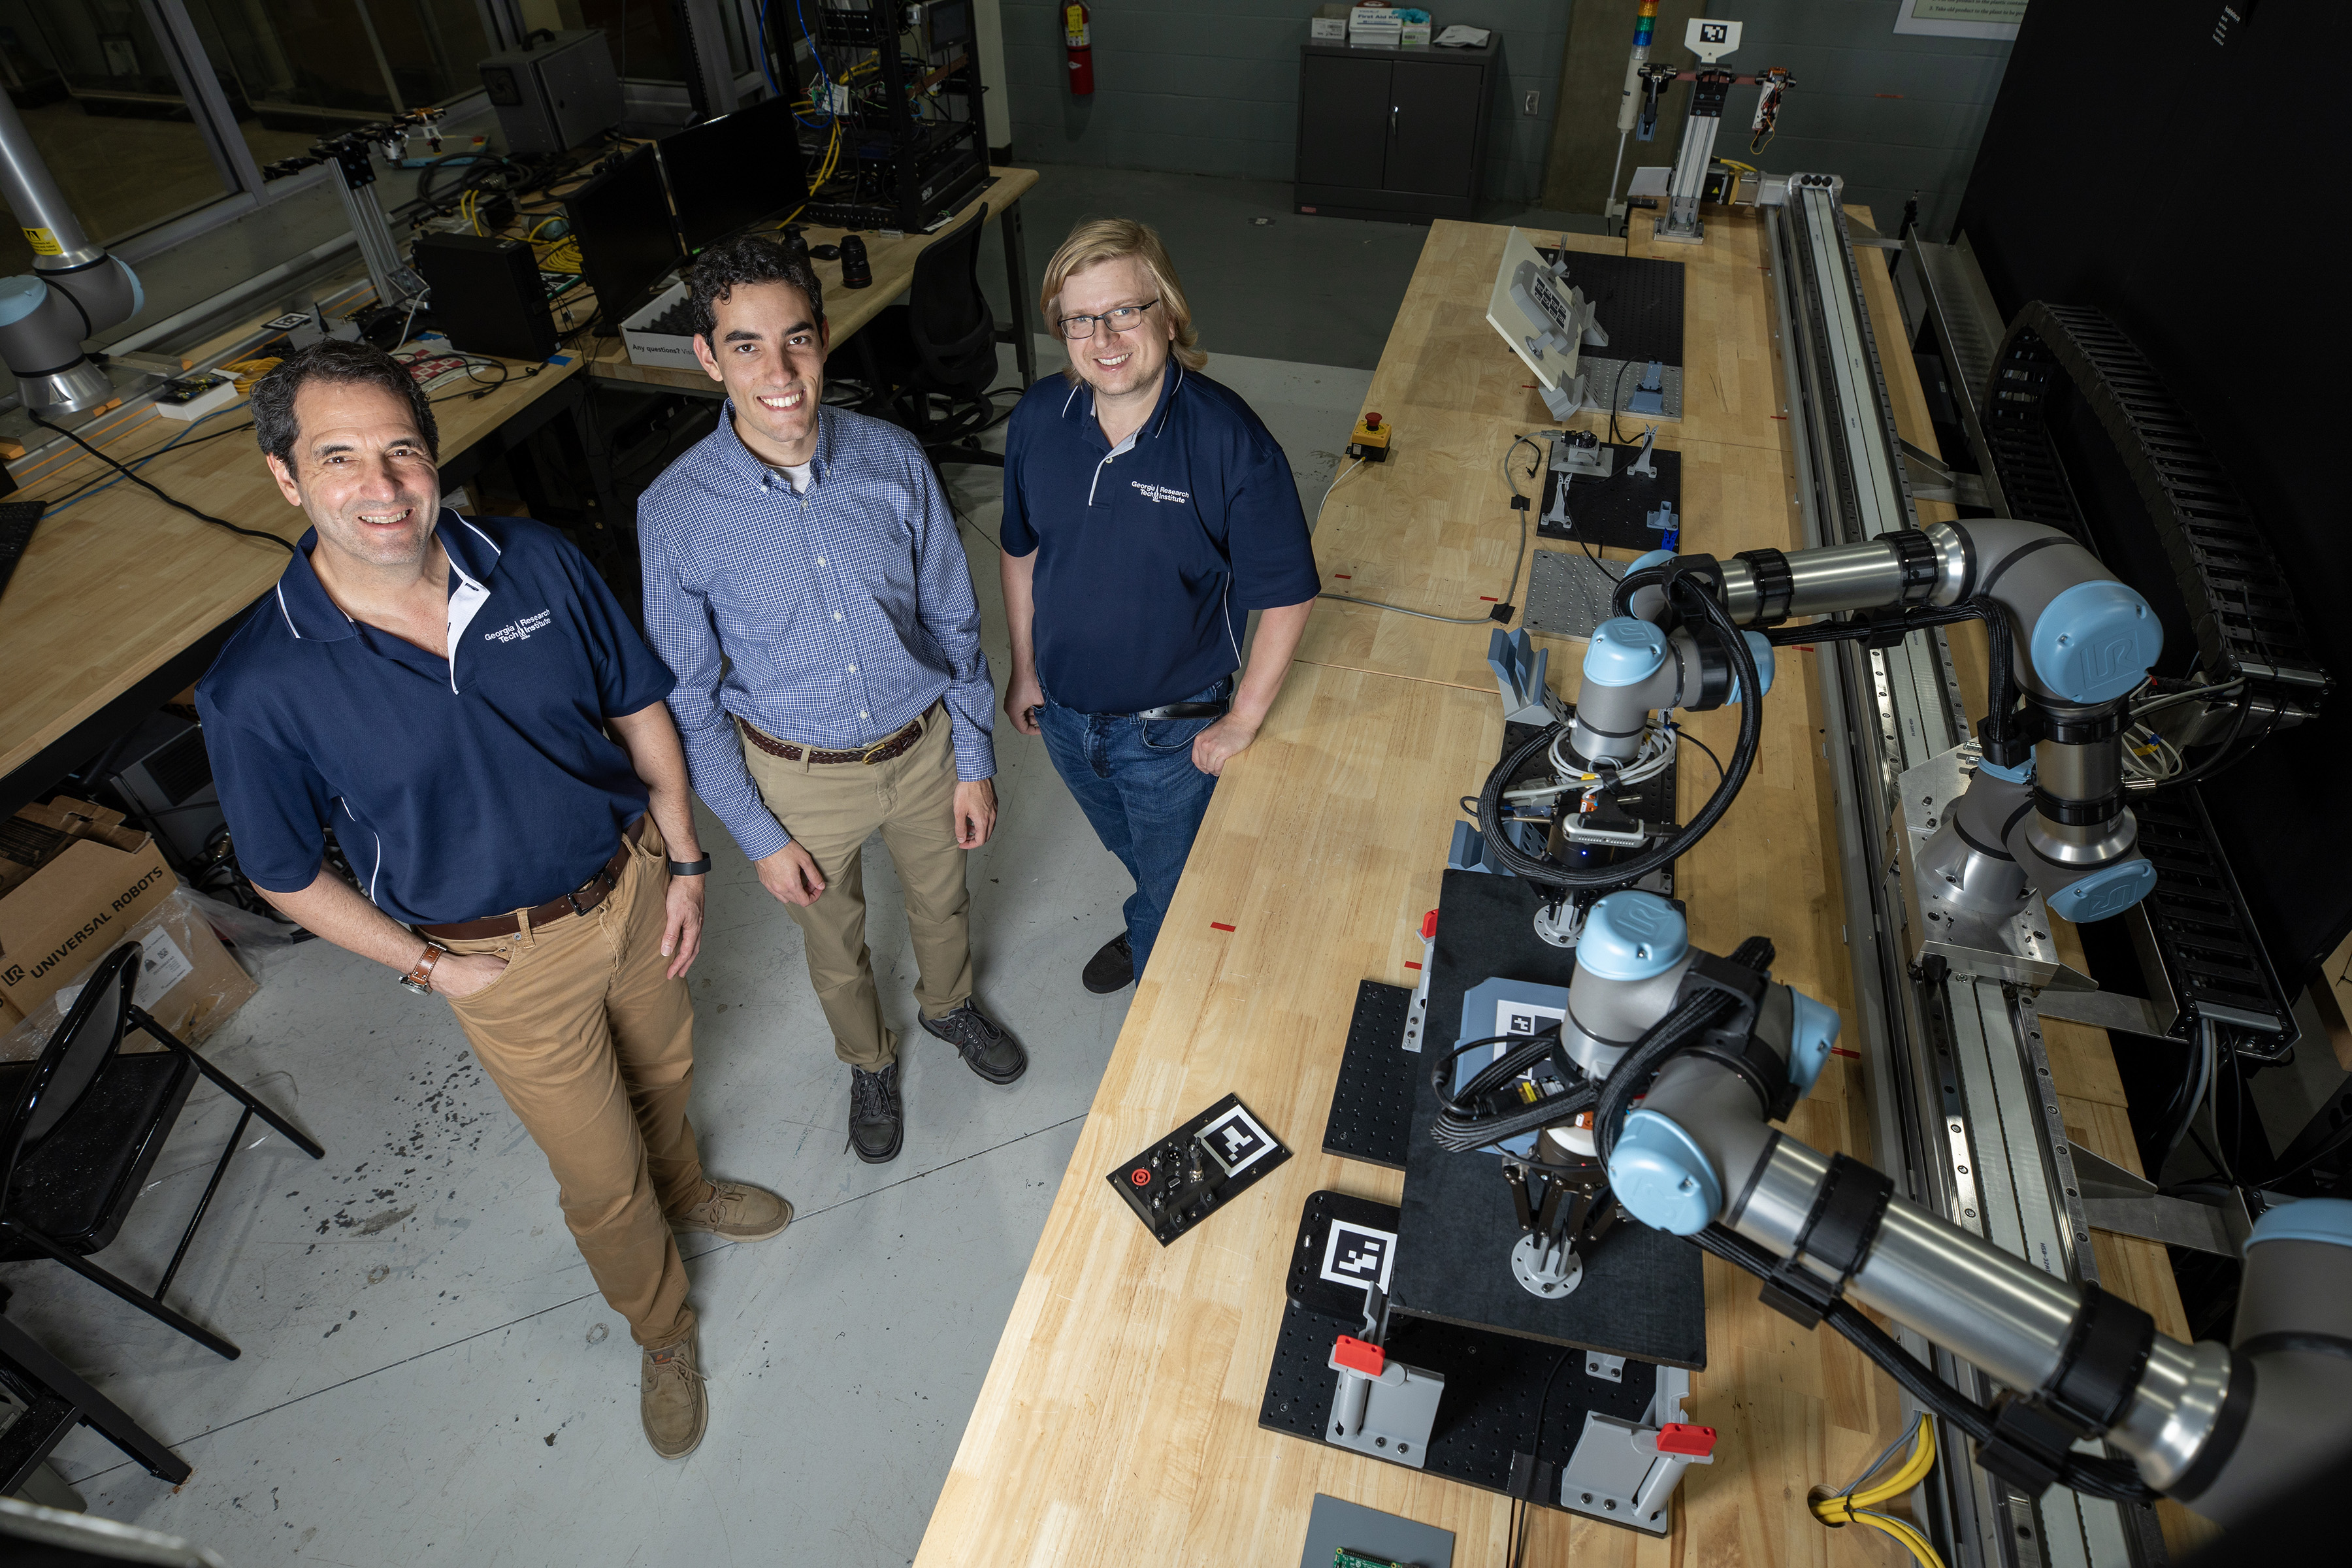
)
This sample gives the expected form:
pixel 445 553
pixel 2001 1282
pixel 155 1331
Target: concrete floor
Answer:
pixel 429 1375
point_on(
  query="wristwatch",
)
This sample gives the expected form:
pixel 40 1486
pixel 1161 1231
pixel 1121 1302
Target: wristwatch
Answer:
pixel 420 979
pixel 691 867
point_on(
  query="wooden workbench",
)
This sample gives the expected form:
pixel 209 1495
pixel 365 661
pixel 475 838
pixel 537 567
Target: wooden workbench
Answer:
pixel 114 588
pixel 1118 1420
pixel 847 310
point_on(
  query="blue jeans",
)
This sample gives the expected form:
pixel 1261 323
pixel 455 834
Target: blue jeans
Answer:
pixel 1135 780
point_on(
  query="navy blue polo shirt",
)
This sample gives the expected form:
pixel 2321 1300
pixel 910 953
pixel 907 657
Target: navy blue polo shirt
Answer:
pixel 1152 555
pixel 458 787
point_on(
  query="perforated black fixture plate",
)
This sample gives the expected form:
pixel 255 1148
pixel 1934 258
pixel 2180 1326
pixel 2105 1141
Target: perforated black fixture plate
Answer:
pixel 1493 1383
pixel 1638 300
pixel 1614 513
pixel 1372 1101
pixel 1198 1170
pixel 1642 1294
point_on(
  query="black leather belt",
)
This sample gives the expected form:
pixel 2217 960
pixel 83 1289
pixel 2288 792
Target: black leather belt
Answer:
pixel 1182 711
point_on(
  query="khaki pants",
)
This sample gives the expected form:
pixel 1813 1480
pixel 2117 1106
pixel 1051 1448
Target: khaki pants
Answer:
pixel 592 1045
pixel 830 809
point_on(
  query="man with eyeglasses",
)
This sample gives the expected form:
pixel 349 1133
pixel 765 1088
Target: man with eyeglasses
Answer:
pixel 1147 512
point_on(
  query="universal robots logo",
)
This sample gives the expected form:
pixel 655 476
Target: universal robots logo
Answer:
pixel 1160 492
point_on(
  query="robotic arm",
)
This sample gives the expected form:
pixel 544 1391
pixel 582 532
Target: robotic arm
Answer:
pixel 1715 1051
pixel 2045 810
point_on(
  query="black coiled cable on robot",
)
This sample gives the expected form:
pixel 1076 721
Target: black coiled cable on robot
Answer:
pixel 1684 587
pixel 2117 1481
pixel 1468 1118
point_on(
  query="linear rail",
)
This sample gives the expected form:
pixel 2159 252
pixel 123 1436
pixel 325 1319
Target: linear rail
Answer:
pixel 1965 1114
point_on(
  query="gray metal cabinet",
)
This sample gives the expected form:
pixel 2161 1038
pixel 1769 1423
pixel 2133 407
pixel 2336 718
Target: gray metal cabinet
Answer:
pixel 1393 133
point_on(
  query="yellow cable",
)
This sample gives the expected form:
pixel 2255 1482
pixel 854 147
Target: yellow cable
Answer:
pixel 1854 1505
pixel 1913 1542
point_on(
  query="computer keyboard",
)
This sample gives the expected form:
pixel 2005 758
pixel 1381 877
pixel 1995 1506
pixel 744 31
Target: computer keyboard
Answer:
pixel 17 521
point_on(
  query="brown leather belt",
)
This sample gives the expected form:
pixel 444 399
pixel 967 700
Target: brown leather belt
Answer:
pixel 881 750
pixel 578 901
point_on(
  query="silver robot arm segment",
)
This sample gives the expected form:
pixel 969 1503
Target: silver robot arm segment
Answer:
pixel 2045 810
pixel 2219 1428
pixel 75 291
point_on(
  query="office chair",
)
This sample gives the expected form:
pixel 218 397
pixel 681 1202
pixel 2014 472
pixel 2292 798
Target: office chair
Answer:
pixel 81 1126
pixel 931 361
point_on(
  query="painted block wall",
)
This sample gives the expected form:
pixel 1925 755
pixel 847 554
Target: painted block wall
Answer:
pixel 1211 86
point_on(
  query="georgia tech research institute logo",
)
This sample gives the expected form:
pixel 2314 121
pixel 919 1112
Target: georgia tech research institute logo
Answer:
pixel 1159 493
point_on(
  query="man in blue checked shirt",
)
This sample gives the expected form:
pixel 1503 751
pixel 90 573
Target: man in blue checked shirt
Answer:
pixel 803 578
pixel 1147 512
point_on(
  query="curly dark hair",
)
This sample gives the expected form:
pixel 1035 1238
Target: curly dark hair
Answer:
pixel 751 258
pixel 332 360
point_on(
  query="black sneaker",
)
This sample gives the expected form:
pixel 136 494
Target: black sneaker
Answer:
pixel 986 1048
pixel 1112 968
pixel 876 1127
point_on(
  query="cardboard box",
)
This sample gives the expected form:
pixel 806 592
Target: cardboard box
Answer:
pixel 661 351
pixel 187 980
pixel 1330 24
pixel 75 909
pixel 38 834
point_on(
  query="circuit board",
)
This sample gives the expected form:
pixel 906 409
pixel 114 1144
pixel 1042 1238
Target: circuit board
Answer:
pixel 1343 1558
pixel 1198 1169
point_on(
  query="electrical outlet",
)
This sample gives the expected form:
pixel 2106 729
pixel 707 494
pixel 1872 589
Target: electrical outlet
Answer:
pixel 1527 105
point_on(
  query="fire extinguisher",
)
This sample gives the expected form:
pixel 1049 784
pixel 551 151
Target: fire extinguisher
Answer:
pixel 1078 44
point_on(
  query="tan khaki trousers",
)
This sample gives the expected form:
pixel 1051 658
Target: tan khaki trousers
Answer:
pixel 592 1045
pixel 830 809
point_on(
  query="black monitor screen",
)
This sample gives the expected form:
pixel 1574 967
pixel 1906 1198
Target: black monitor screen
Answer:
pixel 628 243
pixel 732 171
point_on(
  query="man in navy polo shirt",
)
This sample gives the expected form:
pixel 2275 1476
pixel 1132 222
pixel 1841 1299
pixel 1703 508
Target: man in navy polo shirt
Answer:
pixel 465 705
pixel 1147 512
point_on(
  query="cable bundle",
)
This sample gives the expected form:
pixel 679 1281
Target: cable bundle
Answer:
pixel 1853 1504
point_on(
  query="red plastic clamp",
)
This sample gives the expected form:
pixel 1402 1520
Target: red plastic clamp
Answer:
pixel 1682 1437
pixel 1359 1355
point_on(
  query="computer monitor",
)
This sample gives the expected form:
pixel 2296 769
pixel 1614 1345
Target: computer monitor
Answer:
pixel 628 243
pixel 730 173
pixel 1545 323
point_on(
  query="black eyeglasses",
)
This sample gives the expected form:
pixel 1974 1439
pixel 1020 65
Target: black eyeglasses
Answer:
pixel 1124 318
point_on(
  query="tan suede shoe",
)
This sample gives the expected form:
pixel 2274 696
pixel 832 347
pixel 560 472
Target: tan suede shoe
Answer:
pixel 671 1400
pixel 736 1211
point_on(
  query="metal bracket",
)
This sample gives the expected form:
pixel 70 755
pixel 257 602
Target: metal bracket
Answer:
pixel 1931 479
pixel 1521 672
pixel 1619 1473
pixel 2122 1204
pixel 1607 1368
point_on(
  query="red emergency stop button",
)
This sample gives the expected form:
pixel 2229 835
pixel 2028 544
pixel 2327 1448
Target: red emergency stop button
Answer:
pixel 1371 421
pixel 1358 1355
pixel 1682 1437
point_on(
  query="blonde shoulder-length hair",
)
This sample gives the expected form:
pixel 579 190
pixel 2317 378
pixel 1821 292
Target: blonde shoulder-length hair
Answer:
pixel 1107 239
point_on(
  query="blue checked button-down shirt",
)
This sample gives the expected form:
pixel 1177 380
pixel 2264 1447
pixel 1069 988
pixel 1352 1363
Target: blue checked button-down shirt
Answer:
pixel 837 616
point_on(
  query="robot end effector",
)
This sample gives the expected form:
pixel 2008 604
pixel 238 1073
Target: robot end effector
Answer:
pixel 2045 811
